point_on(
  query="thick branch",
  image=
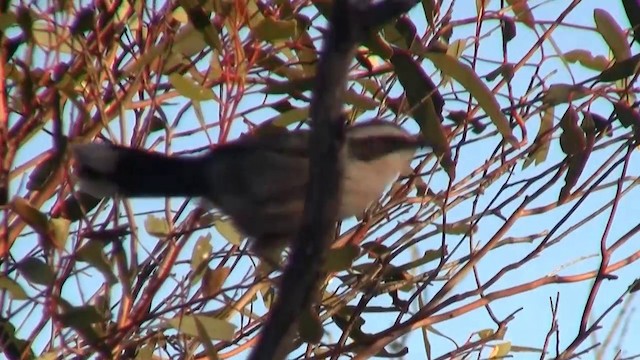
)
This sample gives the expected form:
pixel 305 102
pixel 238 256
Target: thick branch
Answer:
pixel 350 24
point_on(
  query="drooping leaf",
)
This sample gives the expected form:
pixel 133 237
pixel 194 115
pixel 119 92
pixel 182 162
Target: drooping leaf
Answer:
pixel 576 164
pixel 500 351
pixel 543 139
pixel 289 117
pixel 426 105
pixel 612 34
pixel 30 215
pixel 572 138
pixel 508 27
pixel 467 77
pixel 213 279
pixel 602 124
pixel 200 255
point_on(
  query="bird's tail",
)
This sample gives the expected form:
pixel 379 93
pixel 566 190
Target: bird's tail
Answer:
pixel 104 170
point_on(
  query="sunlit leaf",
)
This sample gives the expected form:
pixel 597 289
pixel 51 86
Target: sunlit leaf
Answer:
pixel 500 351
pixel 228 231
pixel 543 139
pixel 216 329
pixel 190 89
pixel 16 292
pixel 586 59
pixel 156 226
pixel 426 105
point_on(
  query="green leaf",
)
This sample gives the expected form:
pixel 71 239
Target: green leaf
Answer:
pixel 522 11
pixel 80 316
pixel 586 59
pixel 200 255
pixel 564 93
pixel 612 34
pixel 213 280
pixel 426 105
pixel 15 290
pixel 157 227
pixel 190 89
pixel 30 215
pixel 36 271
pixel 467 77
pixel 543 139
pixel 341 258
pixel 310 326
pixel 270 29
pixel 93 254
pixel 216 329
pixel 500 351
pixel 54 38
pixel 228 231
pixel 59 230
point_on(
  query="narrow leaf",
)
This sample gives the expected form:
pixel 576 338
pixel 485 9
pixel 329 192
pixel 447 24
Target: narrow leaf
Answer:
pixel 467 77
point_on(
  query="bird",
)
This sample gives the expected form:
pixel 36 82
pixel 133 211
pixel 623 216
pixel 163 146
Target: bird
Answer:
pixel 258 180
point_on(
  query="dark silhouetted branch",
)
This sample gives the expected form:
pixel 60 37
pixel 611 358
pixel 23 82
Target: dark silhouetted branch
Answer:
pixel 351 22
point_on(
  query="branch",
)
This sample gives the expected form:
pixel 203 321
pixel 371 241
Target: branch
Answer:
pixel 350 23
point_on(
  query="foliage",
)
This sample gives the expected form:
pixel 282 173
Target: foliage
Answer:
pixel 514 237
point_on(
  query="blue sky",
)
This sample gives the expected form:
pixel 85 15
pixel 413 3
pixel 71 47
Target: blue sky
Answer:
pixel 573 255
